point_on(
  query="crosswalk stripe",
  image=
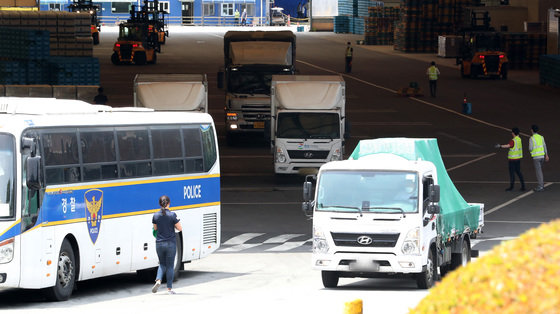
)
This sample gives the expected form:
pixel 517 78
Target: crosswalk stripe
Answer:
pixel 287 246
pixel 282 238
pixel 242 238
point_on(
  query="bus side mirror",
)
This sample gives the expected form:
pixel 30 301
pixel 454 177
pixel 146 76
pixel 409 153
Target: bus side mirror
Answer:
pixel 307 191
pixel 220 80
pixel 32 179
pixel 434 193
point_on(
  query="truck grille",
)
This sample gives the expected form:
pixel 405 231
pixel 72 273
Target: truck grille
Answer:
pixel 492 63
pixel 378 239
pixel 126 52
pixel 256 112
pixel 209 228
pixel 308 154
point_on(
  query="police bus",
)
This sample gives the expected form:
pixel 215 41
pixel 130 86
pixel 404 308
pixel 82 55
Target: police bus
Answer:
pixel 79 184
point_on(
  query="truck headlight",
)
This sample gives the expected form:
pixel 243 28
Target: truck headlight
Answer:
pixel 411 244
pixel 280 156
pixel 6 251
pixel 320 244
pixel 336 155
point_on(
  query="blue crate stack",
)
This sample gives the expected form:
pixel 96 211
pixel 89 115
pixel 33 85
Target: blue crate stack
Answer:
pixel 74 70
pixel 13 72
pixel 16 43
pixel 549 70
pixel 351 14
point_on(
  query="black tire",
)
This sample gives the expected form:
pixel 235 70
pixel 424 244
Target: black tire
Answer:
pixel 461 259
pixel 178 266
pixel 504 71
pixel 95 38
pixel 474 71
pixel 444 270
pixel 115 58
pixel 330 278
pixel 463 75
pixel 65 274
pixel 426 279
pixel 140 58
pixel 147 275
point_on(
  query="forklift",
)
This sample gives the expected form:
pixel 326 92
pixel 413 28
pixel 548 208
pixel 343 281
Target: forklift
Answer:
pixel 481 52
pixel 136 44
pixel 155 19
pixel 88 6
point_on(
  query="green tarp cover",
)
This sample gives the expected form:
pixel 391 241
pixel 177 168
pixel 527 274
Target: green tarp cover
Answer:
pixel 456 214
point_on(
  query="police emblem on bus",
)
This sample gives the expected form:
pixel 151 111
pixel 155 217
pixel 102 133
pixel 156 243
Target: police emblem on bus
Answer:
pixel 94 212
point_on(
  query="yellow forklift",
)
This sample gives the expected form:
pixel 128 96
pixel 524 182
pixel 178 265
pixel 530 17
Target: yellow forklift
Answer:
pixel 88 6
pixel 155 18
pixel 481 52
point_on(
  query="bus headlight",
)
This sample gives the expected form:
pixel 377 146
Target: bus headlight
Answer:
pixel 411 244
pixel 320 244
pixel 280 156
pixel 336 155
pixel 6 251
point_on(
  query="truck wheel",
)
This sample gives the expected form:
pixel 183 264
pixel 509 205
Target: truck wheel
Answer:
pixel 504 72
pixel 115 58
pixel 461 259
pixel 444 270
pixel 65 274
pixel 330 278
pixel 154 58
pixel 140 58
pixel 426 279
pixel 463 75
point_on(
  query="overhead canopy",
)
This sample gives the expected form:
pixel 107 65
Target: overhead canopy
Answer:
pixel 310 94
pixel 261 52
pixel 456 213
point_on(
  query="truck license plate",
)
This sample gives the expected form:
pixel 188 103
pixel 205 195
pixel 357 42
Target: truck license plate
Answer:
pixel 364 266
pixel 258 125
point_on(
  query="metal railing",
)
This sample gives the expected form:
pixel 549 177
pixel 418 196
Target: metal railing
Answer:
pixel 202 20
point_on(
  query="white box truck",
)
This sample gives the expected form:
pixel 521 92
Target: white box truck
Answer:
pixel 391 209
pixel 307 125
pixel 171 92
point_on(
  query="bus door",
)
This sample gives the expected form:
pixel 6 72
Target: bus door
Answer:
pixel 187 12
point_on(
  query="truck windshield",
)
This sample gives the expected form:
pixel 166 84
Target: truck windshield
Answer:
pixel 7 166
pixel 308 125
pixel 368 192
pixel 245 82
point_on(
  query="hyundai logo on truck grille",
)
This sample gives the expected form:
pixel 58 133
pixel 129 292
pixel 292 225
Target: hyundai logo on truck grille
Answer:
pixel 308 155
pixel 364 240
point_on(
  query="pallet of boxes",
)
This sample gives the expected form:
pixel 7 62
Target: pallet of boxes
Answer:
pixel 47 54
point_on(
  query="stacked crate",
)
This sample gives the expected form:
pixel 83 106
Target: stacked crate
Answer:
pixel 549 70
pixel 29 40
pixel 380 25
pixel 352 14
pixel 422 21
pixel 524 49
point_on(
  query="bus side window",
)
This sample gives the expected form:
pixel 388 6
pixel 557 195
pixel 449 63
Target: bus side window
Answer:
pixel 193 149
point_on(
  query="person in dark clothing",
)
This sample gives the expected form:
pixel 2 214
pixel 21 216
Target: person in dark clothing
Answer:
pixel 100 98
pixel 515 154
pixel 348 57
pixel 165 222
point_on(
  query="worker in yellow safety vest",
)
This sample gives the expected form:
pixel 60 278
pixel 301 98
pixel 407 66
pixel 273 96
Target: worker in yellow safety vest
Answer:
pixel 537 147
pixel 348 57
pixel 515 154
pixel 433 74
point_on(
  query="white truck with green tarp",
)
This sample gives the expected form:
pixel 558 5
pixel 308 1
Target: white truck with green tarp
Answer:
pixel 391 209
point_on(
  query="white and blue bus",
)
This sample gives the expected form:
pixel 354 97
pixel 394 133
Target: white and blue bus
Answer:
pixel 79 184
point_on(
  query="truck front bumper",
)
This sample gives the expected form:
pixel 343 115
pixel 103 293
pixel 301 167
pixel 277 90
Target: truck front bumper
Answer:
pixel 388 263
pixel 297 167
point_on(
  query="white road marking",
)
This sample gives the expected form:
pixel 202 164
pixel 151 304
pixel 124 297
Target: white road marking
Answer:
pixel 240 247
pixel 242 238
pixel 470 162
pixel 512 201
pixel 287 246
pixel 477 241
pixel 515 222
pixel 282 238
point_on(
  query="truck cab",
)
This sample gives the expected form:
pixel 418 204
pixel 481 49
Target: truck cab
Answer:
pixel 385 214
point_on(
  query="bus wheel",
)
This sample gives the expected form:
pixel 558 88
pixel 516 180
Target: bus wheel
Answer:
pixel 427 278
pixel 147 275
pixel 330 279
pixel 115 58
pixel 95 38
pixel 178 265
pixel 65 274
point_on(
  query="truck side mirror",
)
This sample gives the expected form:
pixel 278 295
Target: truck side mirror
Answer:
pixel 32 180
pixel 220 80
pixel 307 191
pixel 434 193
pixel 307 208
pixel 433 209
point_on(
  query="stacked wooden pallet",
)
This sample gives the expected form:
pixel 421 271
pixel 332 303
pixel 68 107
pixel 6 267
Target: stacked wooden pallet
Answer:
pixel 549 70
pixel 380 25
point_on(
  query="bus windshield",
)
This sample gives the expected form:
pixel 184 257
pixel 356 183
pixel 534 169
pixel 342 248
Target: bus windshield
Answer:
pixel 391 192
pixel 7 166
pixel 308 125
